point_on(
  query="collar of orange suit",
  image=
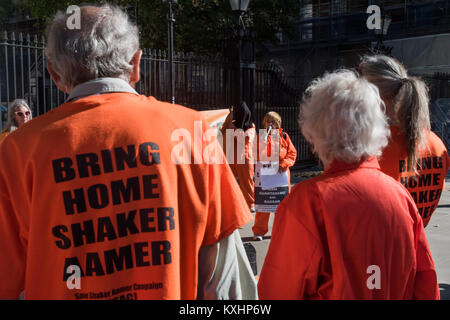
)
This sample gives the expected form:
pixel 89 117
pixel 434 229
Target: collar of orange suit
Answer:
pixel 100 86
pixel 338 165
pixel 280 130
pixel 269 137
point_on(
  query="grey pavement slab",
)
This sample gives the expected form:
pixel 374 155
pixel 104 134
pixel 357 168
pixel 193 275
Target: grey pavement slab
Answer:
pixel 260 246
pixel 438 235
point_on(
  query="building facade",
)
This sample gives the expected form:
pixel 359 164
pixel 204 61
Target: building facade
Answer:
pixel 334 33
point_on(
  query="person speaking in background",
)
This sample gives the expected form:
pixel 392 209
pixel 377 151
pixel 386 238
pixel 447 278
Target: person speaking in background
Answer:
pixel 96 197
pixel 414 156
pixel 287 156
pixel 352 232
pixel 19 113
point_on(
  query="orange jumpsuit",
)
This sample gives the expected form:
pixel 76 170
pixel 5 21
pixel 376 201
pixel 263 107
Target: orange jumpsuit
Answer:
pixel 434 163
pixel 288 155
pixel 98 188
pixel 242 164
pixel 351 233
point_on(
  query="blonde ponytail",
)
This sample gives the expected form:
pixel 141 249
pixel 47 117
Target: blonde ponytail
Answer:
pixel 406 98
pixel 414 115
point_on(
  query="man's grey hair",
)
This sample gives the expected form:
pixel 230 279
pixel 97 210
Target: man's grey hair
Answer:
pixel 342 117
pixel 11 124
pixel 103 46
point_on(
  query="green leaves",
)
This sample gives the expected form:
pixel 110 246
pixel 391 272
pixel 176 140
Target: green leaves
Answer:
pixel 200 25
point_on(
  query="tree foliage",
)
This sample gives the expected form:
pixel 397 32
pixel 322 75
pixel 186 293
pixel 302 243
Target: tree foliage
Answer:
pixel 200 26
pixel 9 8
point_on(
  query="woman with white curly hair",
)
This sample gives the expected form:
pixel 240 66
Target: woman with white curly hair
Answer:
pixel 353 232
pixel 18 114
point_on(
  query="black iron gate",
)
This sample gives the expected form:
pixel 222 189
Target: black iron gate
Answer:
pixel 201 83
pixel 439 85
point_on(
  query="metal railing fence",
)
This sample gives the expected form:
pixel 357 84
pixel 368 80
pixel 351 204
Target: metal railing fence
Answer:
pixel 201 83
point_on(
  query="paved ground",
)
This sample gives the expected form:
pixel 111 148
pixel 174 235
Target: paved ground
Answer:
pixel 438 234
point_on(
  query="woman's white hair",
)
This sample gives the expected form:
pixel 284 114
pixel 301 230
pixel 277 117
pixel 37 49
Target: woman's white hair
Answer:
pixel 11 124
pixel 342 117
pixel 103 46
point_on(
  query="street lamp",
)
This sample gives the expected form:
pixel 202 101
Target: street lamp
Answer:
pixel 242 56
pixel 239 5
pixel 170 22
pixel 381 32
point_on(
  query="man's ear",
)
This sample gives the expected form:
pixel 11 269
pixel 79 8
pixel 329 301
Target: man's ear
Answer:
pixel 56 78
pixel 135 61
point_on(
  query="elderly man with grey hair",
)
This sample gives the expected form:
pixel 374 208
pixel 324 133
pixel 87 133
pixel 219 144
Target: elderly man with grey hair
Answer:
pixel 353 232
pixel 95 207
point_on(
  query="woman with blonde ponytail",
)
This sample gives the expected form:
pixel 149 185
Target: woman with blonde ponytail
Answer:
pixel 415 156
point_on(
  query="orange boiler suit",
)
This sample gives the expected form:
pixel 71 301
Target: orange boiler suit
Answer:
pixel 350 233
pixel 98 188
pixel 434 162
pixel 242 165
pixel 244 170
pixel 287 156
